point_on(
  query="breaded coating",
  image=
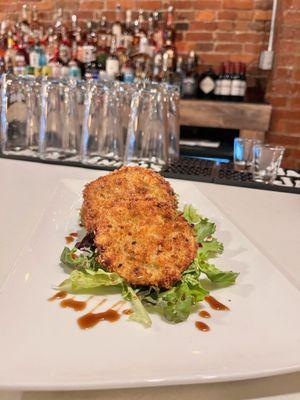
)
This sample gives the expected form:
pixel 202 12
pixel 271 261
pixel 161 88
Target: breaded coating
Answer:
pixel 145 241
pixel 126 183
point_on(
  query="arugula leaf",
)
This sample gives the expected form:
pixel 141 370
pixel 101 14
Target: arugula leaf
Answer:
pixel 213 273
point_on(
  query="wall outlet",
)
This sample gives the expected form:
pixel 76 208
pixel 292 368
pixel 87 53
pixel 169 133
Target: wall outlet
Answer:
pixel 266 60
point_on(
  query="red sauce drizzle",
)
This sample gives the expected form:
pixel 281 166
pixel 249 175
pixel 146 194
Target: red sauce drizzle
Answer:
pixel 91 319
pixel 128 311
pixel 69 239
pixel 58 295
pixel 76 305
pixel 204 314
pixel 202 326
pixel 215 304
pixel 74 234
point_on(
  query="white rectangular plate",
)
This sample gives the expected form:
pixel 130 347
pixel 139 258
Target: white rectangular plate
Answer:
pixel 42 346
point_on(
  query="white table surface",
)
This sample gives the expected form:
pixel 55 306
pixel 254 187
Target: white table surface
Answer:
pixel 271 220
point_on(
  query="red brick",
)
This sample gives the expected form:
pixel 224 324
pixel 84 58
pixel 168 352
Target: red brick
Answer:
pixel 111 4
pixel 225 26
pixel 204 46
pixel 184 5
pixel 206 16
pixel 279 102
pixel 262 15
pixel 148 5
pixel 253 48
pixel 227 14
pixel 230 48
pixel 263 4
pixel 295 102
pixel 238 4
pixel 207 4
pixel 284 140
pixel 195 36
pixel 91 5
pixel 245 15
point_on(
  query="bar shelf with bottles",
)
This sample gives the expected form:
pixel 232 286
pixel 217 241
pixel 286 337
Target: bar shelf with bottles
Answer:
pixel 141 47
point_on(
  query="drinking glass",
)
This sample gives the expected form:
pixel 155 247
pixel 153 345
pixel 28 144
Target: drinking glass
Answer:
pixel 147 137
pixel 243 153
pixel 53 139
pixel 173 96
pixel 111 143
pixel 267 160
pixel 19 115
pixel 71 124
pixel 92 121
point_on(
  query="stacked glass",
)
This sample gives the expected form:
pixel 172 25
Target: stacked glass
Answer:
pixel 88 121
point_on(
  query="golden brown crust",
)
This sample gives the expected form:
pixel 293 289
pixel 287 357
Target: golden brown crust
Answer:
pixel 145 241
pixel 126 183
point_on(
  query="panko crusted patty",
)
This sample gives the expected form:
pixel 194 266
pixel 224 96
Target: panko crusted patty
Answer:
pixel 145 241
pixel 139 232
pixel 127 183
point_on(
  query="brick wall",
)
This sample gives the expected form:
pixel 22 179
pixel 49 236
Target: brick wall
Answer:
pixel 221 30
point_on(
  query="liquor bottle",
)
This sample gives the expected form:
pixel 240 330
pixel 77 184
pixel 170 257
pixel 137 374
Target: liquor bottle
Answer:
pixel 178 76
pixel 24 21
pixel 88 61
pixel 157 67
pixel 189 84
pixel 10 53
pixel 127 72
pixel 128 32
pixel 116 28
pixel 112 62
pixel 225 83
pixel 35 27
pixel 158 31
pixel 3 38
pixel 104 33
pixel 169 32
pixel 243 81
pixel 207 84
pixel 102 52
pixel 217 91
pixel 150 36
pixel 140 59
pixel 235 83
pixel 166 70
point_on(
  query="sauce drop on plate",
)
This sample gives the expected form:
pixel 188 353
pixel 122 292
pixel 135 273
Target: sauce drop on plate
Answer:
pixel 74 234
pixel 91 319
pixel 204 314
pixel 202 326
pixel 215 304
pixel 128 311
pixel 58 295
pixel 69 239
pixel 76 305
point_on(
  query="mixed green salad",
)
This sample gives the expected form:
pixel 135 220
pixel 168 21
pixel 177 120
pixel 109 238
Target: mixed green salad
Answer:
pixel 175 304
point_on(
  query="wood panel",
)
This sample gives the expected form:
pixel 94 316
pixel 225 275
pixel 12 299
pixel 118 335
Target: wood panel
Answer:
pixel 221 114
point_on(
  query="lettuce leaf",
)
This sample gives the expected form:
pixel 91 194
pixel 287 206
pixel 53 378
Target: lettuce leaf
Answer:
pixel 90 279
pixel 175 304
pixel 139 312
pixel 73 258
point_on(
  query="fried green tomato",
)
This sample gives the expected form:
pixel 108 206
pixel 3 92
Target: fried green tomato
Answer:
pixel 127 183
pixel 145 242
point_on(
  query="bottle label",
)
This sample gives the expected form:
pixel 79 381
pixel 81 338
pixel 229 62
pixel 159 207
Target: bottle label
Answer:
pixel 217 88
pixel 112 66
pixel 207 85
pixel 235 87
pixel 242 88
pixel 34 59
pixel 225 87
pixel 189 86
pixel 20 60
pixel 127 40
pixel 88 54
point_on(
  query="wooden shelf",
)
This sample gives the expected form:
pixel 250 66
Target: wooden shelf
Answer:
pixel 220 114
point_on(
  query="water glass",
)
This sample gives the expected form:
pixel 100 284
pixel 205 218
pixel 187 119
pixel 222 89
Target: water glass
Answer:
pixel 19 115
pixel 267 160
pixel 243 153
pixel 173 96
pixel 147 137
pixel 92 122
pixel 52 138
